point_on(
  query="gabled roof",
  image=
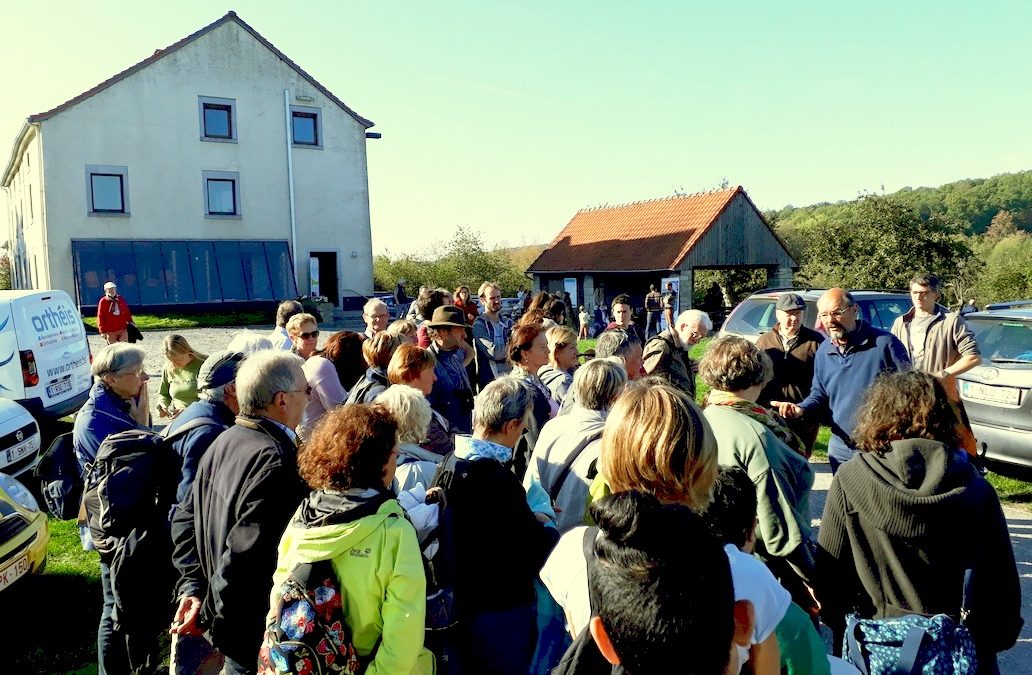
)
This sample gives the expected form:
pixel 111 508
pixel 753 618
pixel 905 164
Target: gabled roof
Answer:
pixel 231 16
pixel 644 236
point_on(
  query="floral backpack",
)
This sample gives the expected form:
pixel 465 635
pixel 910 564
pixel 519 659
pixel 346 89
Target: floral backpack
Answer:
pixel 308 635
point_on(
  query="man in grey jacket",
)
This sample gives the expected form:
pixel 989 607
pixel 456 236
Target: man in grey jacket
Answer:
pixel 491 330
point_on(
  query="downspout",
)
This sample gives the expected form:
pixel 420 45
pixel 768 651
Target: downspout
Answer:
pixel 43 217
pixel 290 181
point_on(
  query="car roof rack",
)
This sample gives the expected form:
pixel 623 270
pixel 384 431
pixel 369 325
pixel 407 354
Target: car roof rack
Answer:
pixel 1010 304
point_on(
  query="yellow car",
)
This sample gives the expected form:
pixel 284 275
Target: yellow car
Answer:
pixel 24 533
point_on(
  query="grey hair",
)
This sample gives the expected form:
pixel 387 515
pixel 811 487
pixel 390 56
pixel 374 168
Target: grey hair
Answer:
pixel 117 359
pixel 372 304
pixel 598 383
pixel 263 375
pixel 695 316
pixel 287 309
pixel 615 342
pixel 248 342
pixel 412 411
pixel 213 394
pixel 504 400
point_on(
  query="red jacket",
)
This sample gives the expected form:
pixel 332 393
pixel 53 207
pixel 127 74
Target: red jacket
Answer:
pixel 107 320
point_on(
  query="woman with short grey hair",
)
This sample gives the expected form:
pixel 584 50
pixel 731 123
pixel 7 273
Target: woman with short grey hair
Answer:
pixel 498 540
pixel 117 402
pixel 568 447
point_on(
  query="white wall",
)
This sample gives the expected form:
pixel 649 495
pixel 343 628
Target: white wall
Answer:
pixel 149 123
pixel 25 216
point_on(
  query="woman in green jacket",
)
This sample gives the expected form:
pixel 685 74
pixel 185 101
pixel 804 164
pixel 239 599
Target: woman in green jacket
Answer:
pixel 352 519
pixel 179 376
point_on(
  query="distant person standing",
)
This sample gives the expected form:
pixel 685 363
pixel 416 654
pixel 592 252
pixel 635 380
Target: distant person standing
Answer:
pixel 669 304
pixel 113 315
pixel 585 321
pixel 491 330
pixel 792 347
pixel 279 337
pixel 969 307
pixel 401 298
pixel 939 343
pixel 654 310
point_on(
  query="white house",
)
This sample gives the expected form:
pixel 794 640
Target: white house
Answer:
pixel 214 171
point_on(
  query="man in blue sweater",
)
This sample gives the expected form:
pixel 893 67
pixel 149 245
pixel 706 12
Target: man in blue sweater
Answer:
pixel 845 366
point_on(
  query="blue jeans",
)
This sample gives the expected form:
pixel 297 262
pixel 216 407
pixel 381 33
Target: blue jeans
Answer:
pixel 131 649
pixel 112 656
pixel 652 327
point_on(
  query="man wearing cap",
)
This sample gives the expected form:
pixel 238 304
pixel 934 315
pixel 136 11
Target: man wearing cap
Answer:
pixel 452 395
pixel 667 353
pixel 792 347
pixel 113 315
pixel 845 366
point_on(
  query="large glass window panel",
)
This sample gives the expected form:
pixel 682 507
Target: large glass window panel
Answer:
pixel 90 270
pixel 179 286
pixel 282 272
pixel 256 271
pixel 205 272
pixel 221 197
pixel 150 272
pixel 231 274
pixel 218 120
pixel 108 196
pixel 121 265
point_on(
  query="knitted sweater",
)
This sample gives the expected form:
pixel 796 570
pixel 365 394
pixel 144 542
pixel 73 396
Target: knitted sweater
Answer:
pixel 841 379
pixel 898 531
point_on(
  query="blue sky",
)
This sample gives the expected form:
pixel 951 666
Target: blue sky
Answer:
pixel 507 117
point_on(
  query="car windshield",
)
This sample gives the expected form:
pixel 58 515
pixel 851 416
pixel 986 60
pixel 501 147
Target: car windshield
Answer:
pixel 752 317
pixel 1003 340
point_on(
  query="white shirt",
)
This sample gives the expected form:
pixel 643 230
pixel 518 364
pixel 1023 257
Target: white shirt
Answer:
pixel 280 339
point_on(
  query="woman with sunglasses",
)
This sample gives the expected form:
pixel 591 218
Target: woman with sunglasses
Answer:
pixel 304 334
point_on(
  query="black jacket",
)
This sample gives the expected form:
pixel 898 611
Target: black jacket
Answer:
pixel 226 532
pixel 898 531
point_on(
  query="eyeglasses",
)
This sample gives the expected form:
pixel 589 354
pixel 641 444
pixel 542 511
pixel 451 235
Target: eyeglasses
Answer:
pixel 308 336
pixel 835 313
pixel 921 294
pixel 307 391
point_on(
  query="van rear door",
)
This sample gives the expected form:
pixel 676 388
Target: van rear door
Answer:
pixel 54 353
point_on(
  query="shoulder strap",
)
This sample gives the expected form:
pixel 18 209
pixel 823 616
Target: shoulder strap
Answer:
pixel 560 480
pixel 588 546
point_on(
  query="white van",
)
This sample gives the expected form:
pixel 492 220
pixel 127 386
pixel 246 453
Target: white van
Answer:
pixel 44 355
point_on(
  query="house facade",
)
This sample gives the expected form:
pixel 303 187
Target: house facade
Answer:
pixel 215 171
pixel 603 252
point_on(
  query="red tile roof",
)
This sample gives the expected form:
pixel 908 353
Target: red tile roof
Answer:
pixel 643 236
pixel 231 16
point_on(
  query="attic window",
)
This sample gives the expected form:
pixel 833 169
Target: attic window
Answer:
pixel 218 119
pixel 306 126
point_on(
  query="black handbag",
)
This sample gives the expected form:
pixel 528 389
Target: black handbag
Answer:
pixel 134 333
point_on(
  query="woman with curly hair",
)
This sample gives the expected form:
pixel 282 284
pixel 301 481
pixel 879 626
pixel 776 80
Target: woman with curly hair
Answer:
pixel 908 514
pixel 353 520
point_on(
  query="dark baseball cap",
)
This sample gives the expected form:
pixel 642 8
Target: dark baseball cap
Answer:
pixel 789 302
pixel 218 369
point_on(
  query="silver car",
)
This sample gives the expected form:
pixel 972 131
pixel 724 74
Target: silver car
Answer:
pixel 998 394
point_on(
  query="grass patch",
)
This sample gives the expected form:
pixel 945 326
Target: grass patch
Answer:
pixel 1010 490
pixel 179 321
pixel 60 609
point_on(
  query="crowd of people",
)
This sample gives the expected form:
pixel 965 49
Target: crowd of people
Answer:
pixel 476 496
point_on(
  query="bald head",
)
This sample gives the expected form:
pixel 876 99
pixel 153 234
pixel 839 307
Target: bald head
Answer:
pixel 837 312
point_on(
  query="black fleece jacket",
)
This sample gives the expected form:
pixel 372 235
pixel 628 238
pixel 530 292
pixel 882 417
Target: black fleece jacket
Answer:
pixel 898 531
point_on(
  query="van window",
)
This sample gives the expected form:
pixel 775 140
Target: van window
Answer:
pixel 882 312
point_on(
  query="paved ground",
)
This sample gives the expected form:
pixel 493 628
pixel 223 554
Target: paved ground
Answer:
pixel 1018 660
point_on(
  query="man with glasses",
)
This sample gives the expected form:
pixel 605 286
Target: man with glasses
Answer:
pixel 845 366
pixel 667 353
pixel 792 347
pixel 376 317
pixel 939 343
pixel 226 531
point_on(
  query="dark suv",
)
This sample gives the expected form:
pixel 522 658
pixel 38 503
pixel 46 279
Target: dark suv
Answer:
pixel 998 394
pixel 755 315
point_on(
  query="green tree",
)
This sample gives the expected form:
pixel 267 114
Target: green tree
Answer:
pixel 1007 274
pixel 879 243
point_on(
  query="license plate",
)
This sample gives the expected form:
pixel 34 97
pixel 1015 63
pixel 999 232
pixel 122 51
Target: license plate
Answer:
pixel 19 451
pixel 976 391
pixel 59 388
pixel 14 571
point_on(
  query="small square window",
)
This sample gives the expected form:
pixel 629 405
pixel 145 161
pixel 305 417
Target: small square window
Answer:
pixel 217 119
pixel 306 126
pixel 306 131
pixel 221 194
pixel 107 190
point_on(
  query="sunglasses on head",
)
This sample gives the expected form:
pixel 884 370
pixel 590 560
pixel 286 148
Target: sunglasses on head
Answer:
pixel 308 336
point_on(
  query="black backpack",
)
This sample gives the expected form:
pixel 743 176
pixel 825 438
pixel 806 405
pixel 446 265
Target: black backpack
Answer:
pixel 307 632
pixel 60 479
pixel 131 483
